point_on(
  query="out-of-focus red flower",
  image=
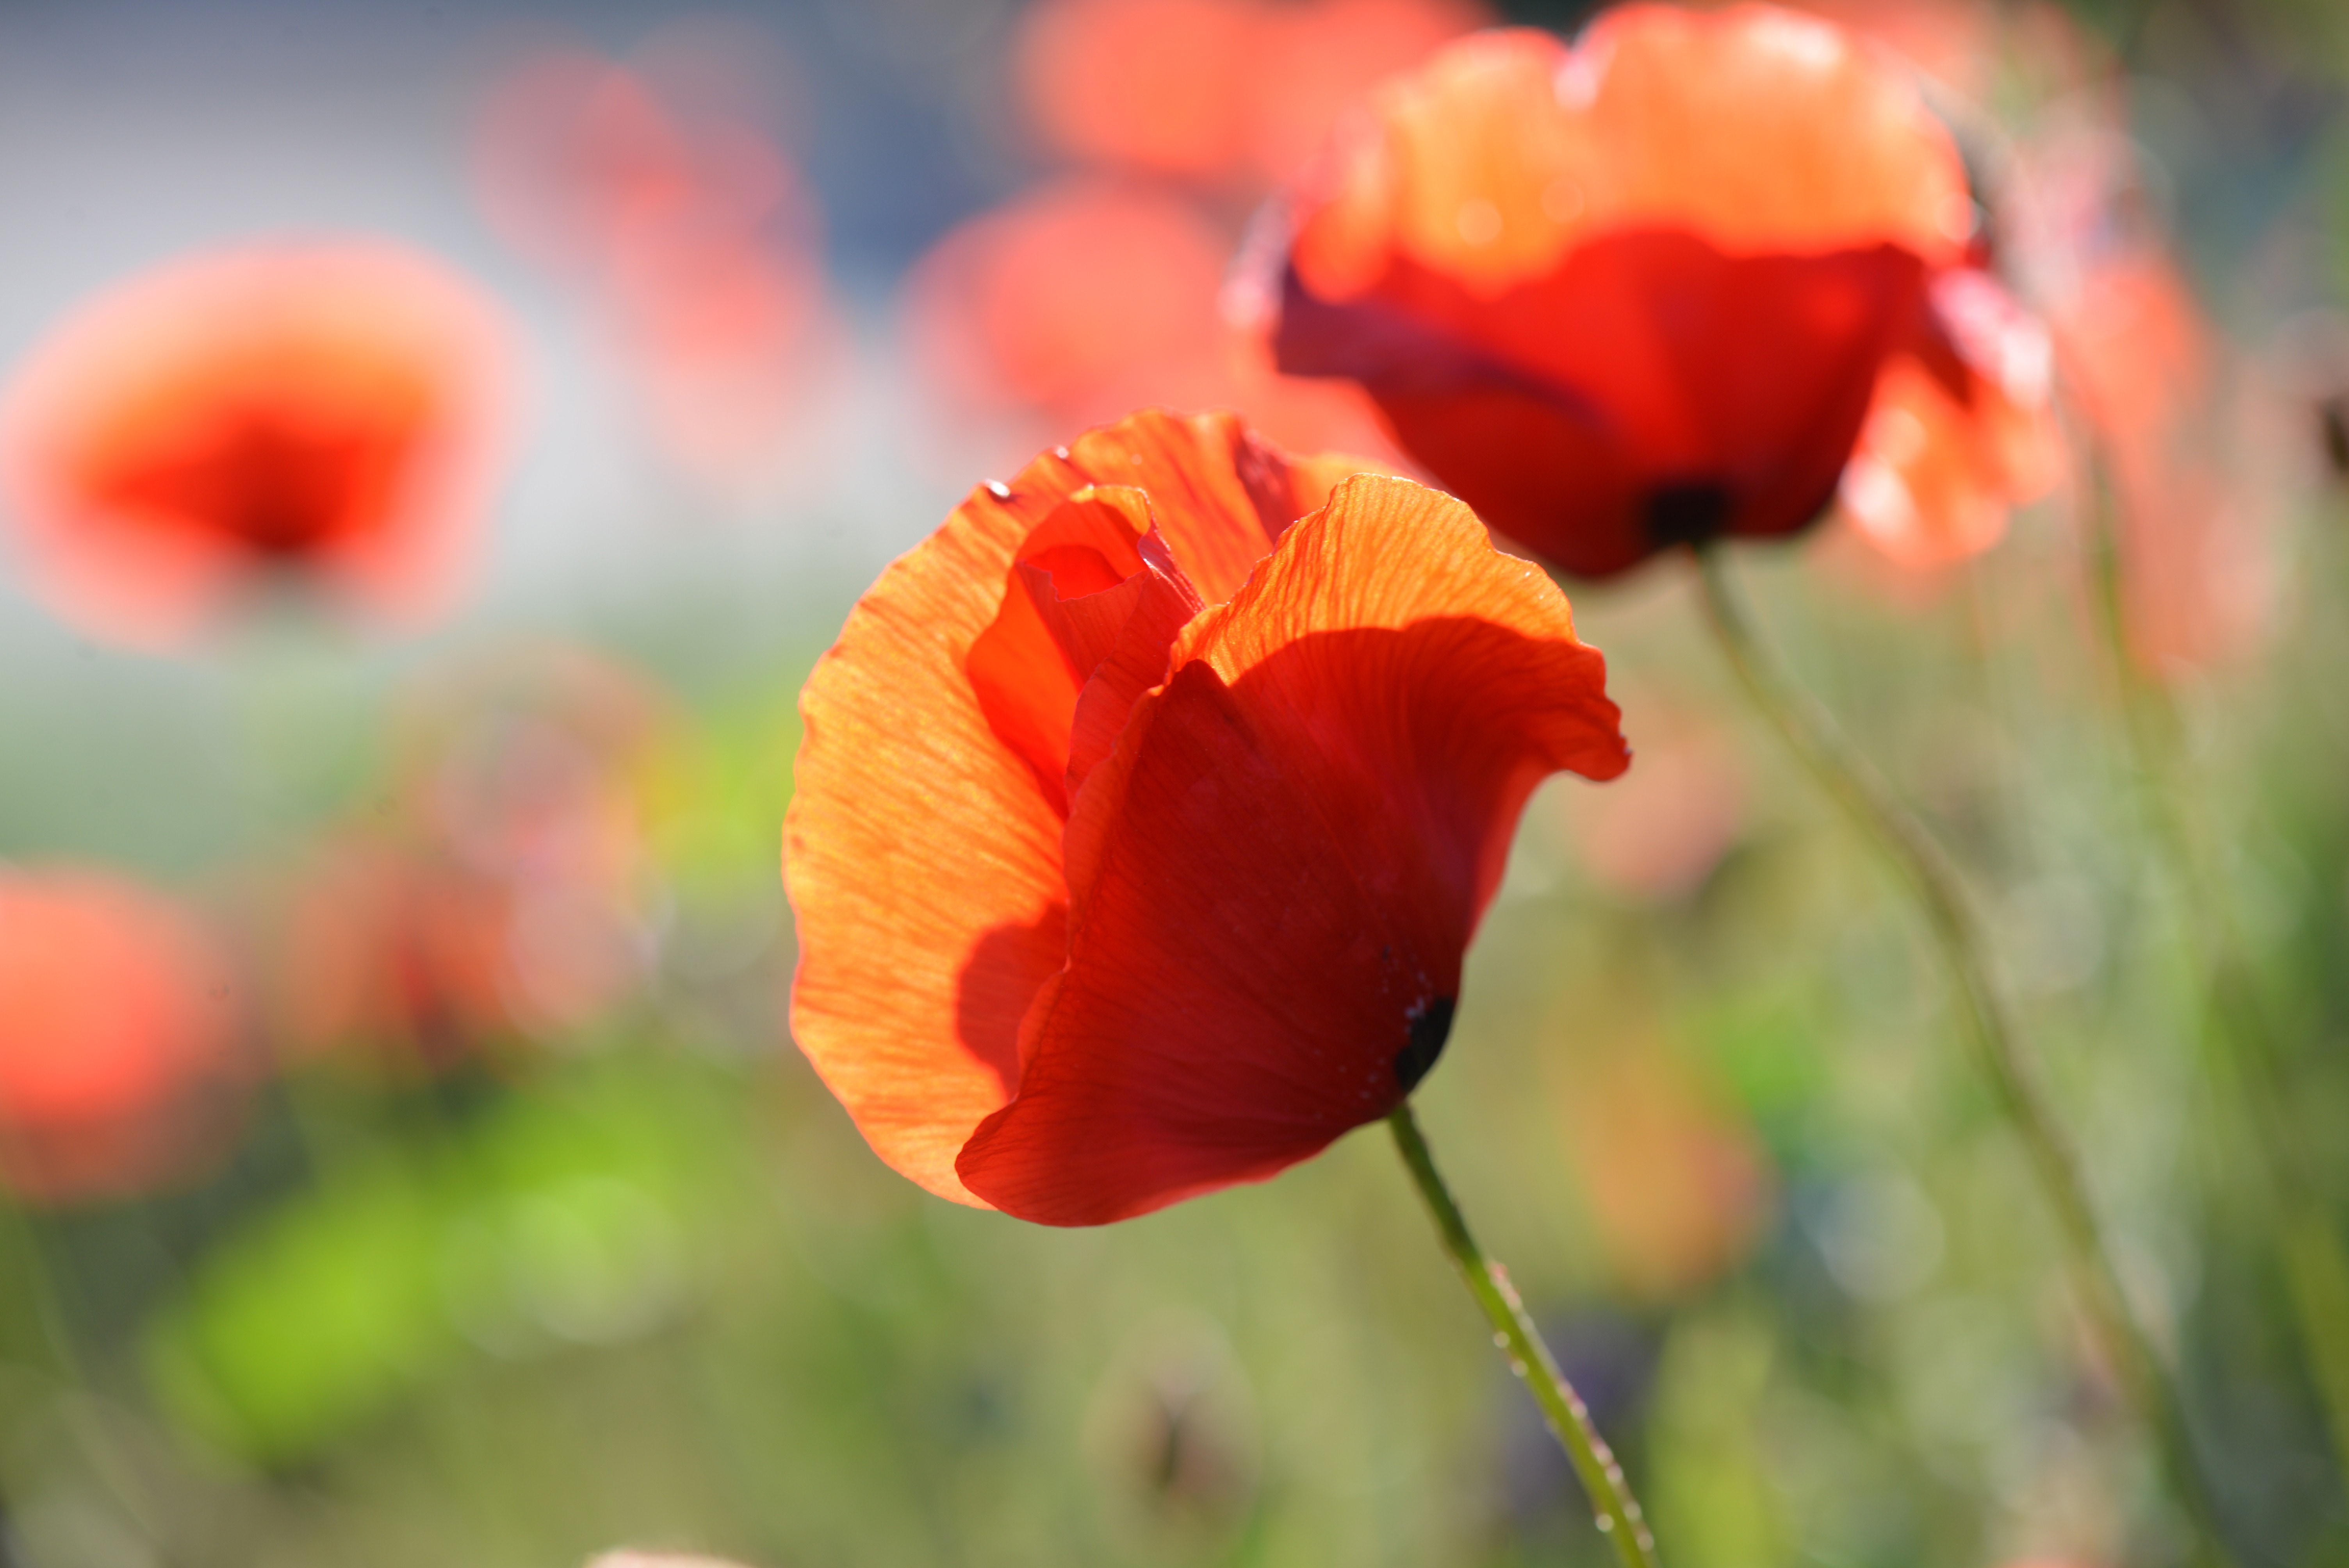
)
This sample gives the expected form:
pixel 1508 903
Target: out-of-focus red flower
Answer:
pixel 690 227
pixel 325 410
pixel 1080 298
pixel 1230 92
pixel 1680 1187
pixel 1641 292
pixel 1085 297
pixel 1146 808
pixel 118 1047
pixel 503 894
pixel 2144 364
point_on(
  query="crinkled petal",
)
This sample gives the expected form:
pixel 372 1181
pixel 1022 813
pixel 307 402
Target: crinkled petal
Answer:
pixel 922 853
pixel 1277 869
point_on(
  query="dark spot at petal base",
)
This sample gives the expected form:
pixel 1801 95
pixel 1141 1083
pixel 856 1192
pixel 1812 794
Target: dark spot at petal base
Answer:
pixel 1685 514
pixel 1430 1027
pixel 2333 426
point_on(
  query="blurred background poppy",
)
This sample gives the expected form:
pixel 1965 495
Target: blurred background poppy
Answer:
pixel 402 1154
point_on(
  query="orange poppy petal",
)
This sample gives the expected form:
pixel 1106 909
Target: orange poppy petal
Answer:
pixel 1961 431
pixel 1277 869
pixel 1079 584
pixel 922 855
pixel 1755 129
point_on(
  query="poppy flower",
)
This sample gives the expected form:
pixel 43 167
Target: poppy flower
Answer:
pixel 1146 811
pixel 1639 292
pixel 326 411
pixel 117 1041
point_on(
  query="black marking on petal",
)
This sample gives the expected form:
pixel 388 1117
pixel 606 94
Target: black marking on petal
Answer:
pixel 1431 1025
pixel 1685 514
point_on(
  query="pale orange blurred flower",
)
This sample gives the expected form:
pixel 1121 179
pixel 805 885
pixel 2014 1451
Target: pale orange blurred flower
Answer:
pixel 329 411
pixel 119 1061
pixel 689 228
pixel 1678 1186
pixel 2158 393
pixel 1236 93
pixel 1659 831
pixel 1084 298
pixel 505 894
pixel 1936 474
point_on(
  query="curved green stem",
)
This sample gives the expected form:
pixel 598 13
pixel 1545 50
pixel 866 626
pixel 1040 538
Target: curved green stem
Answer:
pixel 1873 810
pixel 34 1332
pixel 2234 1014
pixel 1619 1516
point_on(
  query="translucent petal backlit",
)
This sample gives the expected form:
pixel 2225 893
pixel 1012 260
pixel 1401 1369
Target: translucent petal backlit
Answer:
pixel 1201 950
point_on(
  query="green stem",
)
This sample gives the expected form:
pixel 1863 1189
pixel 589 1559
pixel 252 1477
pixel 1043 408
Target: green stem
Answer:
pixel 1873 810
pixel 2316 1267
pixel 1620 1519
pixel 35 1334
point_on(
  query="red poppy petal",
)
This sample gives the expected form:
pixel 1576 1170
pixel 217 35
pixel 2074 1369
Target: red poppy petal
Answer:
pixel 1135 663
pixel 1277 869
pixel 1026 675
pixel 922 856
pixel 1219 492
pixel 1648 362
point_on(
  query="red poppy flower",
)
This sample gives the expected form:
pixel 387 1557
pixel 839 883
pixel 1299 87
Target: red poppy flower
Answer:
pixel 1637 292
pixel 325 410
pixel 1139 829
pixel 117 1040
